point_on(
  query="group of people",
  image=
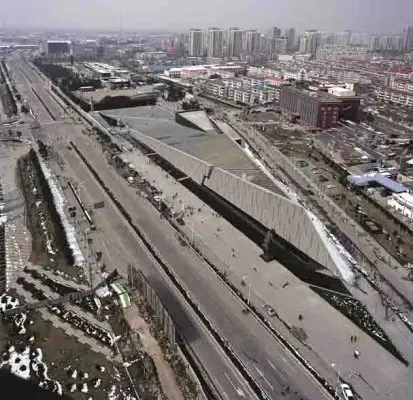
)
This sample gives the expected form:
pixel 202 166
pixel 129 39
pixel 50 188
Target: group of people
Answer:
pixel 353 339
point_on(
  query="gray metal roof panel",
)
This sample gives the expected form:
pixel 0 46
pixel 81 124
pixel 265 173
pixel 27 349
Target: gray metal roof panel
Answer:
pixel 216 149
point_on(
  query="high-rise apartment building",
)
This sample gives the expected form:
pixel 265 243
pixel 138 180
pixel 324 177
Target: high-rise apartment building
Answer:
pixel 309 42
pixel 195 43
pixel 374 43
pixel 276 32
pixel 253 42
pixel 386 43
pixel 325 38
pixel 279 45
pixel 409 38
pixel 341 38
pixel 312 41
pixel 235 36
pixel 303 44
pixel 359 38
pixel 397 43
pixel 291 36
pixel 215 42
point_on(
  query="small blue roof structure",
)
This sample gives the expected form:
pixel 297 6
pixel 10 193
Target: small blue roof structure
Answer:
pixel 378 179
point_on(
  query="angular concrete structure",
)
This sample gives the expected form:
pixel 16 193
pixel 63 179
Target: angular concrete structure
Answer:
pixel 289 220
pixel 217 162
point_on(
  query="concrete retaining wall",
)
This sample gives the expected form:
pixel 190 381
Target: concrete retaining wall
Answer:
pixel 191 166
pixel 289 220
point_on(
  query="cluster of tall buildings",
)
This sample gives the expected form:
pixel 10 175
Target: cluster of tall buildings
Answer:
pixel 311 41
pixel 409 38
pixel 236 43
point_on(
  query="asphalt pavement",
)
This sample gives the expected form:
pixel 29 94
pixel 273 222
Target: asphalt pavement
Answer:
pixel 269 362
pixel 121 247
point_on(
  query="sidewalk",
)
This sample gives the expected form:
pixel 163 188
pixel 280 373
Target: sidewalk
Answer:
pixel 150 345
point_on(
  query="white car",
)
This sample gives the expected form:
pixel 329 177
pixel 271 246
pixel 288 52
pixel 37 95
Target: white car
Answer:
pixel 345 393
pixel 270 310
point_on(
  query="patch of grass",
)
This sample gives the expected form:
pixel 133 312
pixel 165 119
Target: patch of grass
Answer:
pixel 61 351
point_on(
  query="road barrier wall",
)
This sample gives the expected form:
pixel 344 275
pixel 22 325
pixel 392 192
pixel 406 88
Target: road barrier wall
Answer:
pixel 137 279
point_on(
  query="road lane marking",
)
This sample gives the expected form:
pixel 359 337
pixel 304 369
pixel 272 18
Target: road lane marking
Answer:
pixel 261 374
pixel 224 393
pixel 237 389
pixel 277 371
pixel 288 364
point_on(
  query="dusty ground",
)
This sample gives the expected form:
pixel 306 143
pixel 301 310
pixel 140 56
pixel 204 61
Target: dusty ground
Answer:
pixel 150 345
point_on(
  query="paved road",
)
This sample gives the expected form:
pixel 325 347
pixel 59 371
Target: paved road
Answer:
pixel 266 359
pixel 120 248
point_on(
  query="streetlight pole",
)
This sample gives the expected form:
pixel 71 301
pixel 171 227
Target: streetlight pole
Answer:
pixel 89 264
pixel 249 294
pixel 249 288
pixel 338 377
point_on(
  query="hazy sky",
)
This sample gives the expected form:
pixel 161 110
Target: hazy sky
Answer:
pixel 368 15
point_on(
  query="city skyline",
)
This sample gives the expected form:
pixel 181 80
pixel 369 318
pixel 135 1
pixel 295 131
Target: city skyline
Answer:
pixel 373 16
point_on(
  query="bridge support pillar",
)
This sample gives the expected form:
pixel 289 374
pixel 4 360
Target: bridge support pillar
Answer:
pixel 267 245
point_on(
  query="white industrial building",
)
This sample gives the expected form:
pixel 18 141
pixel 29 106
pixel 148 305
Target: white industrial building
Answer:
pixel 339 91
pixel 194 71
pixel 402 202
pixel 105 71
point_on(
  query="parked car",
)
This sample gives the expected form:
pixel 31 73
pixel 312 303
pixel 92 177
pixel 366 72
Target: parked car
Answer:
pixel 270 310
pixel 344 392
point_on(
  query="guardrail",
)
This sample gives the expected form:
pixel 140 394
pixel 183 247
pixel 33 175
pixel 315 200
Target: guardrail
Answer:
pixel 82 206
pixel 44 105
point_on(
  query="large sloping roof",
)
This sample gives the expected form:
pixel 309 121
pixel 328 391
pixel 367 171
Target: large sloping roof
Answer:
pixel 368 179
pixel 213 148
pixel 198 119
pixel 217 162
pixel 286 217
